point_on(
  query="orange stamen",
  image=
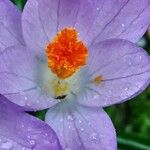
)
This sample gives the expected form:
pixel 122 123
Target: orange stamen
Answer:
pixel 66 53
pixel 97 80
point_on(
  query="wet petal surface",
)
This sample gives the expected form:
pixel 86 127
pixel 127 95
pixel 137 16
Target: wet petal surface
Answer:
pixel 19 77
pixel 94 20
pixel 123 69
pixel 82 128
pixel 19 130
pixel 10 25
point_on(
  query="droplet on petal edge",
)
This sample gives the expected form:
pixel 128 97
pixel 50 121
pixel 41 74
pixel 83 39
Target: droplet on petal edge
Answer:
pixel 66 54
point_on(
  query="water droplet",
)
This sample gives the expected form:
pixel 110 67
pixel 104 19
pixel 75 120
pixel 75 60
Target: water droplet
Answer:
pixel 140 57
pixel 46 134
pixel 80 121
pixel 95 96
pixel 89 124
pixel 123 25
pixel 82 129
pixel 22 126
pixel 61 120
pixel 25 98
pixel 130 64
pixel 32 142
pixel 94 136
pixel 28 136
pixel 70 118
pixel 37 102
pixel 126 89
pixel 97 8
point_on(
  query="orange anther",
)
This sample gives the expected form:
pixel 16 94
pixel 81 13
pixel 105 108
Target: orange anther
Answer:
pixel 66 53
pixel 97 80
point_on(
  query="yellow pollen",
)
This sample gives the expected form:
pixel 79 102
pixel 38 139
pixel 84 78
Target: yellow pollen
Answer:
pixel 97 80
pixel 60 88
pixel 66 54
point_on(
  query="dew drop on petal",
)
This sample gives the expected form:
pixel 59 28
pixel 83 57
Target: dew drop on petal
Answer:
pixel 22 126
pixel 80 121
pixel 130 64
pixel 70 118
pixel 123 25
pixel 69 127
pixel 32 142
pixel 95 96
pixel 126 89
pixel 89 124
pixel 94 137
pixel 61 120
pixel 25 98
pixel 82 129
pixel 140 57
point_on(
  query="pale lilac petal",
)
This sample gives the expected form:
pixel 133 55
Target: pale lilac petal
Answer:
pixel 10 25
pixel 19 130
pixel 61 14
pixel 125 72
pixel 94 20
pixel 42 19
pixel 19 78
pixel 126 19
pixel 82 128
pixel 32 26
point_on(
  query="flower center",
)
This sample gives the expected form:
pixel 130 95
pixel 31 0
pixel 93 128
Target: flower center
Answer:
pixel 66 54
pixel 60 88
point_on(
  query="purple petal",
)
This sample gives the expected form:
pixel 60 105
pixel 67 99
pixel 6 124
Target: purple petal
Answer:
pixel 95 21
pixel 125 19
pixel 19 78
pixel 10 25
pixel 60 14
pixel 19 130
pixel 125 72
pixel 33 31
pixel 82 128
pixel 40 27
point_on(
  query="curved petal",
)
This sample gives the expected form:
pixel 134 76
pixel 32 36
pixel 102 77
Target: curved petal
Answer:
pixel 95 20
pixel 125 19
pixel 67 13
pixel 39 27
pixel 33 31
pixel 10 25
pixel 82 128
pixel 123 71
pixel 19 130
pixel 19 78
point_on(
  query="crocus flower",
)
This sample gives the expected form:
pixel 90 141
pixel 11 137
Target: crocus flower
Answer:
pixel 75 57
pixel 21 131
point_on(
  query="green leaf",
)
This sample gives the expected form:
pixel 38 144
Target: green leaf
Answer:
pixel 132 142
pixel 19 3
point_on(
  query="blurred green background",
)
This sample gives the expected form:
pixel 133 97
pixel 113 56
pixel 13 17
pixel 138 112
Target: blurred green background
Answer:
pixel 131 119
